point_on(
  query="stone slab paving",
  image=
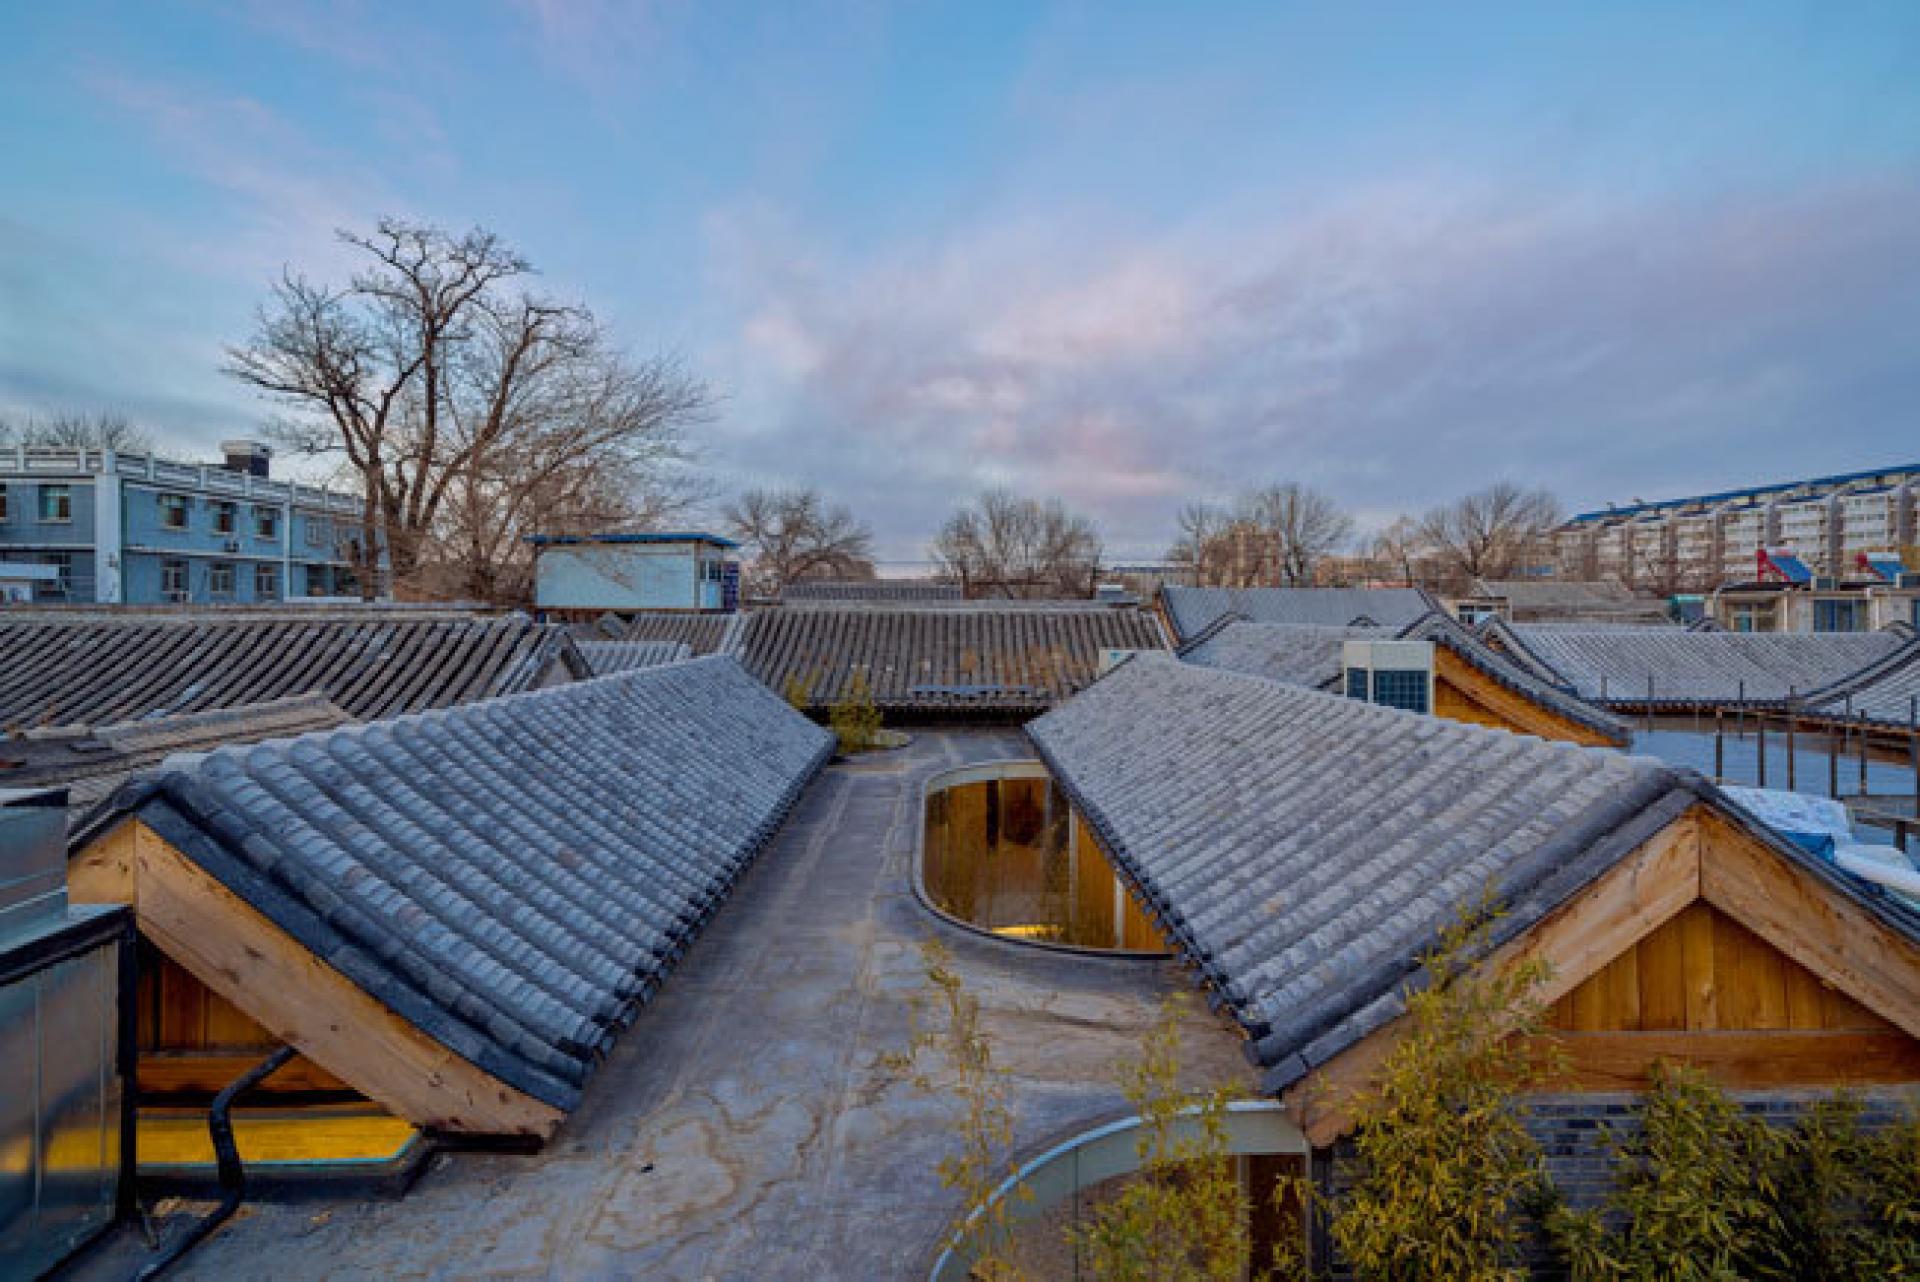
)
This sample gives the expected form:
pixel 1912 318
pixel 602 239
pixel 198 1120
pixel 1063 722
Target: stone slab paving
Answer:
pixel 748 1125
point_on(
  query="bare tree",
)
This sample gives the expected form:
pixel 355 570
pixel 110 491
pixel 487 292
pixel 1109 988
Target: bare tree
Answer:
pixel 1490 533
pixel 78 431
pixel 466 409
pixel 1005 545
pixel 795 534
pixel 1399 554
pixel 1275 536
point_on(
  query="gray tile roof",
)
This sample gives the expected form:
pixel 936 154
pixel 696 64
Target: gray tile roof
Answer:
pixel 871 590
pixel 91 762
pixel 1191 609
pixel 607 657
pixel 987 657
pixel 513 877
pixel 95 668
pixel 1612 666
pixel 1301 653
pixel 1304 849
pixel 1541 600
pixel 1887 694
pixel 1312 656
pixel 701 633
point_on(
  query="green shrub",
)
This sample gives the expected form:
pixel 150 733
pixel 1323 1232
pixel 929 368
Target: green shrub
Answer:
pixel 854 718
pixel 1184 1214
pixel 797 691
pixel 1443 1167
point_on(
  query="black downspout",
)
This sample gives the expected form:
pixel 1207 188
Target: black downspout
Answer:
pixel 233 1176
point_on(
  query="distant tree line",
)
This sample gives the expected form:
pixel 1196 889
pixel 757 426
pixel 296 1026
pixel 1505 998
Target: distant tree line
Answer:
pixel 71 431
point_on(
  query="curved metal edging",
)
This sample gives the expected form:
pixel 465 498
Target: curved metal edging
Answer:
pixel 985 772
pixel 1258 1126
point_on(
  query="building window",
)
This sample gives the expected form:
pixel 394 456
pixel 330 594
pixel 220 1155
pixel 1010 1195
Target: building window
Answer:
pixel 266 583
pixel 1357 684
pixel 173 511
pixel 173 579
pixel 1404 690
pixel 266 522
pixel 56 504
pixel 61 589
pixel 319 532
pixel 220 580
pixel 224 518
pixel 1838 616
pixel 3 502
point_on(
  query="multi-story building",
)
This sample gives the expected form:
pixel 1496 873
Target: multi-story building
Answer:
pixel 1698 543
pixel 133 529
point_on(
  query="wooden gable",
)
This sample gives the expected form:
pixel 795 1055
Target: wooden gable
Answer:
pixel 1464 693
pixel 1703 945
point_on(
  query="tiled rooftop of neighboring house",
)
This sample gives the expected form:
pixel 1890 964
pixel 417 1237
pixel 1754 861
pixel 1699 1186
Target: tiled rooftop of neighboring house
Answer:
pixel 95 668
pixel 1617 667
pixel 1545 600
pixel 607 657
pixel 1888 694
pixel 1191 609
pixel 701 633
pixel 1312 656
pixel 988 656
pixel 513 877
pixel 871 590
pixel 1303 849
pixel 90 762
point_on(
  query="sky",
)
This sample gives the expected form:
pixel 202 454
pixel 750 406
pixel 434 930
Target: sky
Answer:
pixel 1130 255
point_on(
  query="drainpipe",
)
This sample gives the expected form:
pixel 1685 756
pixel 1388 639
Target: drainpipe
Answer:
pixel 233 1176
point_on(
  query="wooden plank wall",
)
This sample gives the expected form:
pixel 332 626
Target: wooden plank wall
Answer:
pixel 1704 990
pixel 1463 694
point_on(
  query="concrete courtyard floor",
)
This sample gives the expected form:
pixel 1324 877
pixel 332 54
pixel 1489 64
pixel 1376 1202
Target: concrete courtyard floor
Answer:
pixel 749 1125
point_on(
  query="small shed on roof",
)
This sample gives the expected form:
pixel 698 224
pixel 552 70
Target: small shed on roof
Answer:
pixel 1188 610
pixel 453 913
pixel 93 668
pixel 1304 850
pixel 1472 682
pixel 1682 668
pixel 995 658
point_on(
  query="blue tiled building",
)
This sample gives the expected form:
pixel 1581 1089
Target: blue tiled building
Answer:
pixel 133 529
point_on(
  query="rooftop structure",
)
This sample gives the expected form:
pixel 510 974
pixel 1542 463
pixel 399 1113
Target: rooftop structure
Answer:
pixel 1472 682
pixel 476 899
pixel 1679 668
pixel 1304 850
pixel 58 669
pixel 122 528
pixel 1001 658
pixel 591 573
pixel 1189 610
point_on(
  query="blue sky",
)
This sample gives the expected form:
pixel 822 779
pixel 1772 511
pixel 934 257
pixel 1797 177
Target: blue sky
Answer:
pixel 1129 254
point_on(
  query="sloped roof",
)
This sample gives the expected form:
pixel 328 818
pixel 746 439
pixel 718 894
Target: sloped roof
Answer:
pixel 871 590
pixel 1612 667
pixel 605 658
pixel 1304 849
pixel 1539 600
pixel 1191 609
pixel 985 657
pixel 97 668
pixel 701 633
pixel 1300 653
pixel 1887 694
pixel 1312 656
pixel 514 877
pixel 92 761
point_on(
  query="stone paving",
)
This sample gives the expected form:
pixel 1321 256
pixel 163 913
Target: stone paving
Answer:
pixel 748 1125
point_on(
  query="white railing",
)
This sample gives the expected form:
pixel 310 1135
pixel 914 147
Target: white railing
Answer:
pixel 208 478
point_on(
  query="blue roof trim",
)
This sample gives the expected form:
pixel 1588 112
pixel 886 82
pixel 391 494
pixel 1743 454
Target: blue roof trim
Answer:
pixel 1781 487
pixel 665 536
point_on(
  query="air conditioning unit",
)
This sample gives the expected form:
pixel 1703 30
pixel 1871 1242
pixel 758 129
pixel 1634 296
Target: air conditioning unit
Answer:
pixel 1395 674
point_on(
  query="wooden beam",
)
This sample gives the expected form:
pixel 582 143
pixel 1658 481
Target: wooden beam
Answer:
pixel 1626 903
pixel 207 1073
pixel 235 951
pixel 1771 1060
pixel 1828 933
pixel 103 872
